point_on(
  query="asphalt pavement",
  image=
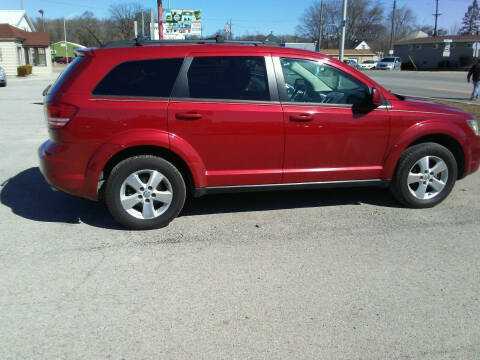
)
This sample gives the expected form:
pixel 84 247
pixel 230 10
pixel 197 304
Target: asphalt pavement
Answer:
pixel 441 85
pixel 333 274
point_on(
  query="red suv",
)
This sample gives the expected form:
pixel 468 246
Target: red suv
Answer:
pixel 143 125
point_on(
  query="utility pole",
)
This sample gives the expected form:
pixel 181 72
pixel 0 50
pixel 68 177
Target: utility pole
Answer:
pixel 435 31
pixel 65 34
pixel 43 19
pixel 344 24
pixel 160 19
pixel 143 26
pixel 152 25
pixel 392 32
pixel 320 37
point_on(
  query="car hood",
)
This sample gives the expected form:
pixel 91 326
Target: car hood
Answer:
pixel 415 104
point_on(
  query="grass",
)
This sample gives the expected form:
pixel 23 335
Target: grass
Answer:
pixel 472 109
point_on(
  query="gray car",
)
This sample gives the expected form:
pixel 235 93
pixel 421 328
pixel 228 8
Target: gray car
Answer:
pixel 390 63
pixel 3 77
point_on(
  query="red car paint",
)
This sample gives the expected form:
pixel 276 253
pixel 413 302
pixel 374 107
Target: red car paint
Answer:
pixel 224 142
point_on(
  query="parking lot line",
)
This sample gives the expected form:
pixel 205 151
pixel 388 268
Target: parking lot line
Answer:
pixel 450 90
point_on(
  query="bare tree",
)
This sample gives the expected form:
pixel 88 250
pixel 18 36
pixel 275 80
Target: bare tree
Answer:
pixel 123 15
pixel 404 22
pixel 364 22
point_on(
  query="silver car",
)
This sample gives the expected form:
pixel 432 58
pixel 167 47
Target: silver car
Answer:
pixel 3 77
pixel 390 63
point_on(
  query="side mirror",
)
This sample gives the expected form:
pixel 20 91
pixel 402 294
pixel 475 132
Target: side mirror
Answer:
pixel 376 97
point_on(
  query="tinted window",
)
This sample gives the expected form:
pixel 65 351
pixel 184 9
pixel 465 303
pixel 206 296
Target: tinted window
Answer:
pixel 237 78
pixel 388 59
pixel 312 81
pixel 143 78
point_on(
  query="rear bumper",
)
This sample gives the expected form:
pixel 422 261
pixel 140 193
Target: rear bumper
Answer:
pixel 58 168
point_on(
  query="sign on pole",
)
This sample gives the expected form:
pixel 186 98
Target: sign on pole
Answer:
pixel 446 49
pixel 179 23
pixel 476 49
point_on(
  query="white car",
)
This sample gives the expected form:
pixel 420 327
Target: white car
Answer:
pixel 3 77
pixel 368 64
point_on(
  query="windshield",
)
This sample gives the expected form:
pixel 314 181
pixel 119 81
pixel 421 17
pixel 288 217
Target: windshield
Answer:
pixel 388 59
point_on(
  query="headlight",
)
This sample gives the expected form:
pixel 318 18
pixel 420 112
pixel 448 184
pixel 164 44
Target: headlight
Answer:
pixel 474 125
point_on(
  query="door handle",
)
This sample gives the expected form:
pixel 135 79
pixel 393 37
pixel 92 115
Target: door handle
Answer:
pixel 191 115
pixel 301 117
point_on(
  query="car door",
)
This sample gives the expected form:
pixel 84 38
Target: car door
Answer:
pixel 226 107
pixel 331 131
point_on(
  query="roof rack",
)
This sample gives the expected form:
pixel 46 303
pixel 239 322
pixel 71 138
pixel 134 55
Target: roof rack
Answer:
pixel 215 40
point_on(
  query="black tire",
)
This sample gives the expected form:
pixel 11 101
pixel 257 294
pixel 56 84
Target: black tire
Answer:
pixel 400 188
pixel 138 163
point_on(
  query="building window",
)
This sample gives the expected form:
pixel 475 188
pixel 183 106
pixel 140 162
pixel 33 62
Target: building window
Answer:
pixel 40 58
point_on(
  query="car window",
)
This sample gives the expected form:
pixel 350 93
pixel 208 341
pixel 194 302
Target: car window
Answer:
pixel 143 78
pixel 388 59
pixel 312 81
pixel 228 77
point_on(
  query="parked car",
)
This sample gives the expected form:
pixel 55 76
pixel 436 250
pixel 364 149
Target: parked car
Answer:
pixel 3 77
pixel 390 63
pixel 145 126
pixel 353 63
pixel 368 65
pixel 63 59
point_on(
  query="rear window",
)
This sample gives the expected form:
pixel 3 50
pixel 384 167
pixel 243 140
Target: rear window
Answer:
pixel 142 78
pixel 64 75
pixel 229 77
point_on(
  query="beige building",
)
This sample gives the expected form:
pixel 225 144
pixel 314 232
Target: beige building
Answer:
pixel 360 55
pixel 20 47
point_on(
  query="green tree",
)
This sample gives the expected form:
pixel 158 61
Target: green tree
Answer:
pixel 471 20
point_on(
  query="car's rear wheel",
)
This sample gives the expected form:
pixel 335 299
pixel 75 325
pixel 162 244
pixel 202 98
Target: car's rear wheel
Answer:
pixel 426 174
pixel 145 192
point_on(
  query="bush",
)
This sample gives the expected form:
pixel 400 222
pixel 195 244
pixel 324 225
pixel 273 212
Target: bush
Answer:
pixel 29 69
pixel 444 64
pixel 465 61
pixel 22 70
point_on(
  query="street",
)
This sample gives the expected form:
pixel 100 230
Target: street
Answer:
pixel 325 274
pixel 442 85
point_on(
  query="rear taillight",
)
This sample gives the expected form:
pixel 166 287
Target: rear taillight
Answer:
pixel 59 115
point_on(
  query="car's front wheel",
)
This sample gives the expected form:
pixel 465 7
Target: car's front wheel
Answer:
pixel 425 175
pixel 145 192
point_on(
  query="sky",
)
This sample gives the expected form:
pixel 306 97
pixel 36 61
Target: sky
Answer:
pixel 248 16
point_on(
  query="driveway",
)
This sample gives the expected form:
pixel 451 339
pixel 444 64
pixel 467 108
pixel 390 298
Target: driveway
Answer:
pixel 333 274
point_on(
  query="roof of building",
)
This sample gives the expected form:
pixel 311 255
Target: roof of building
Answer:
pixel 69 42
pixel 439 39
pixel 272 38
pixel 415 35
pixel 334 52
pixel 28 38
pixel 14 18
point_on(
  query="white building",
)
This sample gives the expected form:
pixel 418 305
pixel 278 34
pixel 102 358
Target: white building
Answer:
pixel 20 44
